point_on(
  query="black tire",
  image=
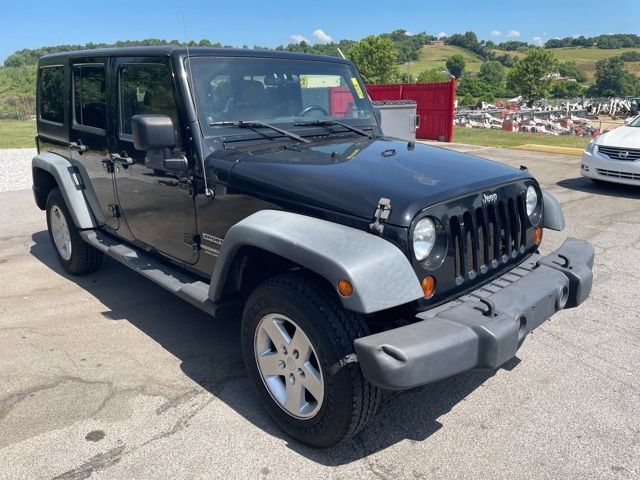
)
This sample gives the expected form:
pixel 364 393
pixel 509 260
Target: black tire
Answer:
pixel 84 258
pixel 350 401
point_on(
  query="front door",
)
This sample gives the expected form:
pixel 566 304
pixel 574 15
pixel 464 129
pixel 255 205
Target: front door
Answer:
pixel 89 144
pixel 156 207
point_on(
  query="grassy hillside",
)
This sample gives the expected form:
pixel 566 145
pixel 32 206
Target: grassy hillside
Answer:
pixel 435 56
pixel 586 58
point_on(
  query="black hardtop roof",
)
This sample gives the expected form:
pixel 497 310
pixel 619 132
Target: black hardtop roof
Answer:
pixel 172 50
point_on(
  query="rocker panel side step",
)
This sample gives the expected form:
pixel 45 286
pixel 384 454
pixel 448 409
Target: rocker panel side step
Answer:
pixel 195 292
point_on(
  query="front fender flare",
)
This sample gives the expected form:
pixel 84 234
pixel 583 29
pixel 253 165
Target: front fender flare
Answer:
pixel 62 171
pixel 382 277
pixel 553 217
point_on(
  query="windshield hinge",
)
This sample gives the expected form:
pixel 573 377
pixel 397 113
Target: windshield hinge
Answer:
pixel 193 186
pixel 192 240
pixel 380 216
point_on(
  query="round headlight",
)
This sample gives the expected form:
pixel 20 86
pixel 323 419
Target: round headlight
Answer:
pixel 532 200
pixel 424 238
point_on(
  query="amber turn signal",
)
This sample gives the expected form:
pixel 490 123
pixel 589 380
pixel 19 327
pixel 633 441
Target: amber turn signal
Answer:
pixel 537 235
pixel 428 286
pixel 345 288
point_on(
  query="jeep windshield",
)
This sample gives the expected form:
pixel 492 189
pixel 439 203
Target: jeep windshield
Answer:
pixel 294 95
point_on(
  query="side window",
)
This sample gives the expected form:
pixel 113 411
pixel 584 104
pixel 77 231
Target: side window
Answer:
pixel 89 99
pixel 52 94
pixel 146 89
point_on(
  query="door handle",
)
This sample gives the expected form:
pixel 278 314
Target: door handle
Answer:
pixel 120 159
pixel 78 147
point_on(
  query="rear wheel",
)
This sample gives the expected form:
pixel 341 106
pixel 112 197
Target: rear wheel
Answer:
pixel 74 254
pixel 297 343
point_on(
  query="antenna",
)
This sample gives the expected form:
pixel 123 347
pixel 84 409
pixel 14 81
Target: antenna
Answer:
pixel 207 191
pixel 341 54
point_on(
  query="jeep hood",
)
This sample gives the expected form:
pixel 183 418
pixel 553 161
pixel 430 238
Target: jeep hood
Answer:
pixel 351 176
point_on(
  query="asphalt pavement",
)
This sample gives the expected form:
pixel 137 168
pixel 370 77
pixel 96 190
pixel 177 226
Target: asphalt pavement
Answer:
pixel 109 376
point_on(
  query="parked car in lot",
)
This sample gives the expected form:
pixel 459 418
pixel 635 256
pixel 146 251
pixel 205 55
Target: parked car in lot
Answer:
pixel 614 156
pixel 260 182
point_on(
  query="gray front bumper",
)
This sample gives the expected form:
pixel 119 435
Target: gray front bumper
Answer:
pixel 483 329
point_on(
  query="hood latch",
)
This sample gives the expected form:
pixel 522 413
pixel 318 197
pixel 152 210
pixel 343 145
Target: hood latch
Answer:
pixel 380 216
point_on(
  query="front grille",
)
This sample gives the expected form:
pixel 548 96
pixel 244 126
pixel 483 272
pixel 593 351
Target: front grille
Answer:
pixel 616 174
pixel 488 232
pixel 628 154
pixel 487 236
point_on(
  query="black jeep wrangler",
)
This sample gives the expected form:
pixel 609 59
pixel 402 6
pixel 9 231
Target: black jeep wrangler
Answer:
pixel 262 180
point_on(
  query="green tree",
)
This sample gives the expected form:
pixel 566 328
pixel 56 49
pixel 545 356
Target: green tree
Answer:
pixel 528 76
pixel 612 80
pixel 455 65
pixel 566 90
pixel 492 73
pixel 473 86
pixel 630 56
pixel 570 70
pixel 375 57
pixel 433 75
pixel 467 100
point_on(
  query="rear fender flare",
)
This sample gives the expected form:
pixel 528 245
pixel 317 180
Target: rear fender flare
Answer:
pixel 72 191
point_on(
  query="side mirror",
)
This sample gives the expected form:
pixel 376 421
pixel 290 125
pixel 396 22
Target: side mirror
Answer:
pixel 152 132
pixel 156 135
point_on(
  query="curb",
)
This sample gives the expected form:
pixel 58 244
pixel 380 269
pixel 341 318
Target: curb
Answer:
pixel 550 149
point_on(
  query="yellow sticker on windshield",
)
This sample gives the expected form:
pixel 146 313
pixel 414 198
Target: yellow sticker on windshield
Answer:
pixel 357 88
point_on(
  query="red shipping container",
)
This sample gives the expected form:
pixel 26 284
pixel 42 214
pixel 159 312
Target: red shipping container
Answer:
pixel 435 103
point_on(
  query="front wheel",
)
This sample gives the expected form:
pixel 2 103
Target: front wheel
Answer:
pixel 297 343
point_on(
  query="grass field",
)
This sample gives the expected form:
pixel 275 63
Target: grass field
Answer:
pixel 500 138
pixel 435 56
pixel 17 134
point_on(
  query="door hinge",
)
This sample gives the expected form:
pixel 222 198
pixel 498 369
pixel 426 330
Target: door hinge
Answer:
pixel 380 216
pixel 107 164
pixel 192 240
pixel 114 210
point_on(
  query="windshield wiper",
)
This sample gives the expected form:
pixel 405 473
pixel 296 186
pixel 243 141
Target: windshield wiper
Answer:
pixel 322 123
pixel 256 124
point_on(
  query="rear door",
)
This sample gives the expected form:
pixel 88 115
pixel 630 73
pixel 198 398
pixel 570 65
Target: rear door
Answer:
pixel 154 203
pixel 88 135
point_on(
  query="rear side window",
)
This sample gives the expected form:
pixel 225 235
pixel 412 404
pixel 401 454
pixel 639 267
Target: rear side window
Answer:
pixel 89 98
pixel 146 89
pixel 52 94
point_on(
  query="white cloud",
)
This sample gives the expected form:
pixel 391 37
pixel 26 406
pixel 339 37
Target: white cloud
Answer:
pixel 297 38
pixel 408 33
pixel 513 33
pixel 575 35
pixel 496 33
pixel 441 34
pixel 322 37
pixel 537 40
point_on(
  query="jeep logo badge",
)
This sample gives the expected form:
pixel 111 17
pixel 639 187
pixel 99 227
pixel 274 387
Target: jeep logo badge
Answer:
pixel 623 154
pixel 489 198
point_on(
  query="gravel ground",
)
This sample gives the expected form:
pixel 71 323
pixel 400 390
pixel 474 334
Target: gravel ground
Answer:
pixel 109 376
pixel 15 168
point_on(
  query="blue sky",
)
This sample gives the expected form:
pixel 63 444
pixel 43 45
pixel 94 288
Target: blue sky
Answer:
pixel 30 24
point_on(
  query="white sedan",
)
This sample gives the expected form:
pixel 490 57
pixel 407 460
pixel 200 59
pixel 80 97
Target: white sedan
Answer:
pixel 614 156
